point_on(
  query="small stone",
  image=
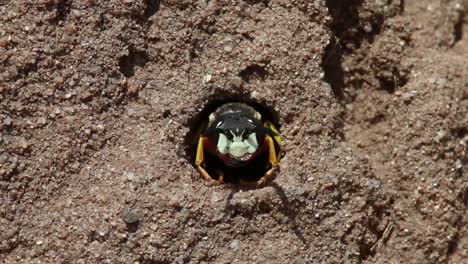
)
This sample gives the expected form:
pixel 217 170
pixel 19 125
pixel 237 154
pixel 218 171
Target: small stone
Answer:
pixel 3 43
pixel 186 67
pixel 59 80
pixel 368 28
pixel 315 128
pixel 23 143
pixel 373 185
pixel 7 121
pixel 234 244
pixel 41 120
pixel 408 97
pixel 132 87
pixel 40 242
pixel 228 48
pixel 258 58
pixel 70 28
pixel 175 202
pixel 207 78
pixel 131 176
pixel 76 13
pixel 254 94
pixel 68 96
pixel 130 218
pixel 442 82
pixel 440 135
pixel 237 82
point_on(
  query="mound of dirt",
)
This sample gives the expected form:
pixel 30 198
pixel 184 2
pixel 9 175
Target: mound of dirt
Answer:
pixel 99 99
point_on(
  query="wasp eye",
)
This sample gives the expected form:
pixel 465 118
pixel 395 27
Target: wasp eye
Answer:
pixel 246 133
pixel 228 135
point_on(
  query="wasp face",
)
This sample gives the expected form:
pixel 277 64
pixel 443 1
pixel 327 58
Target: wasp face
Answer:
pixel 237 145
pixel 235 131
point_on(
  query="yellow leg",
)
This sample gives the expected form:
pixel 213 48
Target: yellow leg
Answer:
pixel 272 151
pixel 273 160
pixel 220 176
pixel 277 138
pixel 274 165
pixel 200 157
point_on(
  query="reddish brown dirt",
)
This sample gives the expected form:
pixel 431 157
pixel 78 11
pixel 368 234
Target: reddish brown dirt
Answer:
pixel 98 99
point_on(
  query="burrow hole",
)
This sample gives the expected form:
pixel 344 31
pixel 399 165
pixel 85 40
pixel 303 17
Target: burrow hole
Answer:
pixel 135 58
pixel 254 71
pixel 255 170
pixel 152 7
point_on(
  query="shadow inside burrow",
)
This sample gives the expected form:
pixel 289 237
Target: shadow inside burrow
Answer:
pixel 286 208
pixel 135 58
pixel 198 124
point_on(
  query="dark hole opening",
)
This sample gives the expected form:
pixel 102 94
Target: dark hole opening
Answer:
pixel 458 28
pixel 152 7
pixel 135 58
pixel 253 71
pixel 250 173
pixel 63 10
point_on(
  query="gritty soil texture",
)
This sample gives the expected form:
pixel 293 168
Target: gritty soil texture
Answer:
pixel 99 99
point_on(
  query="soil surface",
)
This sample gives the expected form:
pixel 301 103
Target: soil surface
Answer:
pixel 98 99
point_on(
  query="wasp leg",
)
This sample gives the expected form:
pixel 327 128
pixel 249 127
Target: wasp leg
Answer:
pixel 274 165
pixel 273 160
pixel 200 157
pixel 220 176
pixel 272 127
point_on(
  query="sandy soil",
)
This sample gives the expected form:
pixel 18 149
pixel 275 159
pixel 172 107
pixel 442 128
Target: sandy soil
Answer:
pixel 98 100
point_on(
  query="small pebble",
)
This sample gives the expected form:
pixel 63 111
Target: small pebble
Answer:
pixel 234 244
pixel 41 120
pixel 207 78
pixel 236 82
pixel 227 48
pixel 130 218
pixel 7 121
pixel 3 43
pixel 254 95
pixel 59 80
